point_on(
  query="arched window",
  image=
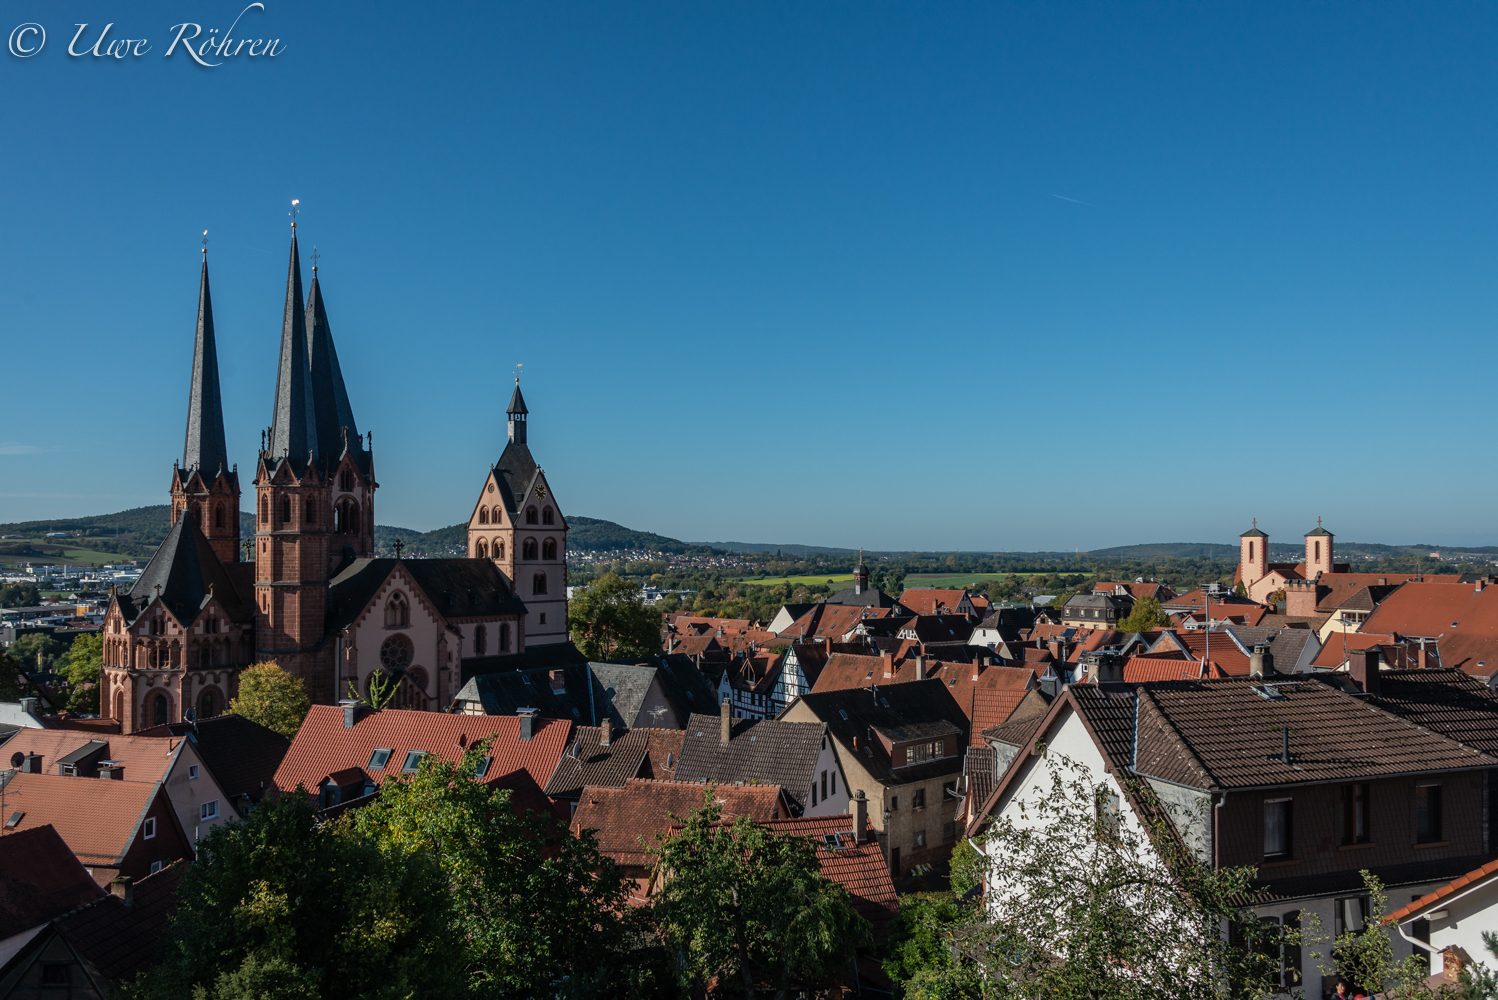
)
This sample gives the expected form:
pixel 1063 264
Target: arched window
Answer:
pixel 285 510
pixel 483 515
pixel 397 611
pixel 499 549
pixel 530 515
pixel 412 690
pixel 396 653
pixel 480 641
pixel 346 480
pixel 498 516
pixel 549 549
pixel 346 518
pixel 197 513
pixel 218 516
pixel 1250 551
pixel 538 583
pixel 481 549
pixel 528 549
pixel 504 638
pixel 119 706
pixel 207 705
pixel 546 517
pixel 162 710
pixel 311 511
pixel 265 510
pixel 205 655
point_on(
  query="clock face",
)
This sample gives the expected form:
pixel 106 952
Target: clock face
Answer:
pixel 541 491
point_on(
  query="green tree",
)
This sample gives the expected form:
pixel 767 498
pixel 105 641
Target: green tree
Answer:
pixel 609 618
pixel 541 912
pixel 272 697
pixel 1365 956
pixel 743 907
pixel 13 684
pixel 37 652
pixel 19 595
pixel 966 867
pixel 1478 981
pixel 281 906
pixel 81 666
pixel 1147 614
pixel 920 936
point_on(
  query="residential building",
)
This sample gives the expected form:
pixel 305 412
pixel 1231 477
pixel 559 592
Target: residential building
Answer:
pixel 939 601
pixel 1461 619
pixel 796 755
pixel 603 757
pixel 661 693
pixel 903 747
pixel 1096 611
pixel 241 755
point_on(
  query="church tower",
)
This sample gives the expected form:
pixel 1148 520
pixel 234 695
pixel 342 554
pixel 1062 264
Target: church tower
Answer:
pixel 518 524
pixel 205 483
pixel 347 463
pixel 1253 555
pixel 1318 551
pixel 293 513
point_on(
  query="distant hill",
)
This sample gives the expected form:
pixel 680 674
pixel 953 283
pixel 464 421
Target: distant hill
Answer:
pixel 1168 550
pixel 785 549
pixel 584 534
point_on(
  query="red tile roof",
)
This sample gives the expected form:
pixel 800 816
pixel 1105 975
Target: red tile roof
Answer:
pixel 322 746
pixel 1464 617
pixel 1138 591
pixel 993 706
pixel 145 758
pixel 932 600
pixel 1331 655
pixel 858 867
pixel 628 819
pixel 1402 914
pixel 850 670
pixel 1140 669
pixel 96 817
pixel 40 878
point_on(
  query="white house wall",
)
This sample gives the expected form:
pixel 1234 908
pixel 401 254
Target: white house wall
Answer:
pixel 836 804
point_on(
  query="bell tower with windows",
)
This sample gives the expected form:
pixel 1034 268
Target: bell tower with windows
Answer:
pixel 518 524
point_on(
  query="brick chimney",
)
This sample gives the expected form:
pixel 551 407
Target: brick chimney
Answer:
pixel 1261 661
pixel 1362 666
pixel 725 725
pixel 350 712
pixel 124 888
pixel 558 682
pixel 920 668
pixel 889 664
pixel 605 732
pixel 31 764
pixel 860 816
pixel 527 722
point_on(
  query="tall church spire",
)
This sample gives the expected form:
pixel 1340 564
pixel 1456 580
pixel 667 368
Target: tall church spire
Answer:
pixel 204 449
pixel 330 397
pixel 517 413
pixel 293 431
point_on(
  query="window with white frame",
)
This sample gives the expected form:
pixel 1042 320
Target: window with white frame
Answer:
pixel 207 811
pixel 148 829
pixel 192 772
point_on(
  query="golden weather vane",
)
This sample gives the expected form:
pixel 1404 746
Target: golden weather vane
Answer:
pixel 205 241
pixel 293 213
pixel 518 366
pixel 315 256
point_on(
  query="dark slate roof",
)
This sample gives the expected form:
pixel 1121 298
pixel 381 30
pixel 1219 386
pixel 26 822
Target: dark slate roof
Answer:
pixel 293 429
pixel 40 878
pixel 582 699
pixel 516 472
pixel 978 773
pixel 634 753
pixel 329 394
pixel 242 755
pixel 1449 702
pixel 874 598
pixel 849 715
pixel 456 588
pixel 205 449
pixel 686 687
pixel 1109 713
pixel 186 569
pixel 551 655
pixel 517 401
pixel 762 750
pixel 120 940
pixel 1253 532
pixel 1223 734
pixel 1017 733
pixel 940 628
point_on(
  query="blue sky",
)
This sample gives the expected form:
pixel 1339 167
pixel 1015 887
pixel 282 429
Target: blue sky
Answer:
pixel 976 276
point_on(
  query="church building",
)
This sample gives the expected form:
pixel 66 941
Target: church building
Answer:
pixel 308 590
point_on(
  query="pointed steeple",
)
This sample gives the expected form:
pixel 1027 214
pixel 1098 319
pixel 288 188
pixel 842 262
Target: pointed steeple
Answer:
pixel 204 448
pixel 517 413
pixel 293 429
pixel 329 395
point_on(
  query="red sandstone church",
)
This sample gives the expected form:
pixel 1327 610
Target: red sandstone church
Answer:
pixel 307 591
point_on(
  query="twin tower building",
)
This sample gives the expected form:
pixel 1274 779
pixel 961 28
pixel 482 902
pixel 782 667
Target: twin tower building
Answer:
pixel 307 590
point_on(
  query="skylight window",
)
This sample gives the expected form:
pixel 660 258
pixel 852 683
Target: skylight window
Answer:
pixel 378 759
pixel 483 767
pixel 413 760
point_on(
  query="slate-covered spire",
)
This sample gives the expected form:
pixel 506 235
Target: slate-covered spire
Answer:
pixel 330 397
pixel 205 449
pixel 517 413
pixel 293 429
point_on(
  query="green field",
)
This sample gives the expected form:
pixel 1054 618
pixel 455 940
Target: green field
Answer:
pixel 70 556
pixel 810 581
pixel 946 580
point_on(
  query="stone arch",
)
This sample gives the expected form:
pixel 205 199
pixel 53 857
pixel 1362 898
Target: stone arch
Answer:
pixel 411 691
pixel 483 515
pixel 528 549
pixel 504 638
pixel 480 640
pixel 549 549
pixel 160 709
pixel 481 549
pixel 530 515
pixel 547 516
pixel 210 702
pixel 397 611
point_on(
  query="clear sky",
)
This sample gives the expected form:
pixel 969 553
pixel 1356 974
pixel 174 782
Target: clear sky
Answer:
pixel 958 275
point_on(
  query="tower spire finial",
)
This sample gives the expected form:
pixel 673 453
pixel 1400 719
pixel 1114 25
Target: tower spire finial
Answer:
pixel 205 244
pixel 315 258
pixel 294 210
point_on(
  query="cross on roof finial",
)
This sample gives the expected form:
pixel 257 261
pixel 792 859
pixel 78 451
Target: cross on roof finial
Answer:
pixel 518 366
pixel 399 545
pixel 315 256
pixel 1256 522
pixel 293 213
pixel 205 241
pixel 1318 522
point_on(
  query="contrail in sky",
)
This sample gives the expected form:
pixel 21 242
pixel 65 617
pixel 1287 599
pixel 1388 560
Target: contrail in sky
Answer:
pixel 1074 201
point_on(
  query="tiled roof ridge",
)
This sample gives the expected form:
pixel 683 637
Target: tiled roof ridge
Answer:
pixel 1441 892
pixel 1143 693
pixel 1415 726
